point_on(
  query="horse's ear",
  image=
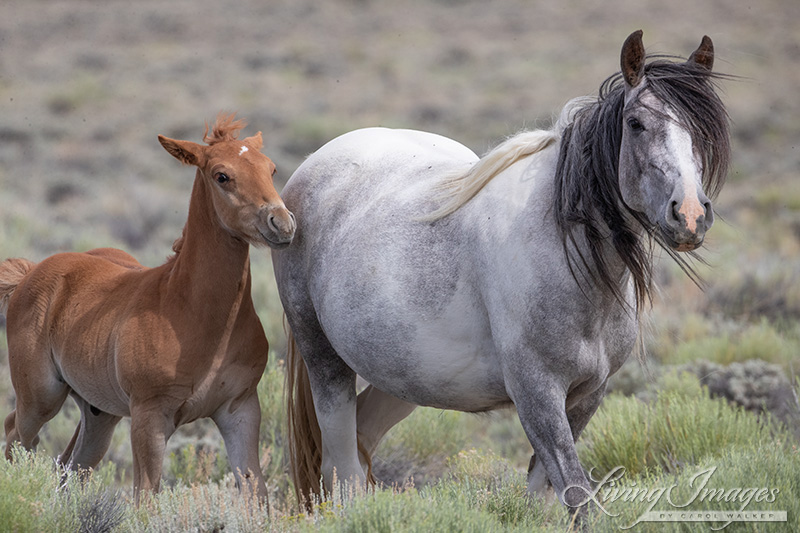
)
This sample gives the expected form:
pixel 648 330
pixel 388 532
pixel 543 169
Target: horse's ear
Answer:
pixel 704 55
pixel 186 152
pixel 632 59
pixel 255 141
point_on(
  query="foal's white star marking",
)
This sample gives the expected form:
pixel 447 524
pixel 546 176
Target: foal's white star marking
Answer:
pixel 243 150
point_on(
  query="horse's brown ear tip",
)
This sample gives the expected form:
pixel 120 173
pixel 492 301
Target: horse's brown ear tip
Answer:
pixel 635 36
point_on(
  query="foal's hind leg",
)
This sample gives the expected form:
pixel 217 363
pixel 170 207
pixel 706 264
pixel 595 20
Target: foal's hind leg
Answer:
pixel 92 437
pixel 39 389
pixel 377 413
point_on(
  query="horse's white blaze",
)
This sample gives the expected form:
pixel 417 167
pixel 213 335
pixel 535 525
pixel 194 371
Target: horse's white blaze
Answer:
pixel 242 150
pixel 679 143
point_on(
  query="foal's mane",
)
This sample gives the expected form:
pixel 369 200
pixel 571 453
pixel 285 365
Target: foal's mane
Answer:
pixel 226 128
pixel 588 200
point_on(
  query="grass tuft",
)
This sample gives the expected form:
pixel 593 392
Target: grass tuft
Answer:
pixel 683 426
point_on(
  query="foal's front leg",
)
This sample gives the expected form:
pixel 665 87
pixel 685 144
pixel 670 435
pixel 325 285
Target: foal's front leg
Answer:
pixel 151 426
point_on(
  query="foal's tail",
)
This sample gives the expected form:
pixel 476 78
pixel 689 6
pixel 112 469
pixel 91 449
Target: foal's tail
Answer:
pixel 12 271
pixel 305 437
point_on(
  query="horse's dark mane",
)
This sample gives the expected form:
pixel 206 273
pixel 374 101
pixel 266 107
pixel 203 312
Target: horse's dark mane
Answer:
pixel 588 200
pixel 226 128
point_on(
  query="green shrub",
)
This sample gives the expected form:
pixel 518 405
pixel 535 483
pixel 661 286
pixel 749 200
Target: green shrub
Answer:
pixel 189 465
pixel 33 497
pixel 706 486
pixel 736 343
pixel 272 433
pixel 203 507
pixel 418 447
pixel 684 425
pixel 438 508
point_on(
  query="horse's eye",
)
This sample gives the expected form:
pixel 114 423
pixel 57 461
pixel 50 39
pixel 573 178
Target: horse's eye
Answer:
pixel 221 177
pixel 635 125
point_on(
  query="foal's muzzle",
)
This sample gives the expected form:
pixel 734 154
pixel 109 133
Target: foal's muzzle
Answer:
pixel 278 227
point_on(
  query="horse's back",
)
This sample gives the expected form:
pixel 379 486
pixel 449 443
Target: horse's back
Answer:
pixel 364 164
pixel 379 143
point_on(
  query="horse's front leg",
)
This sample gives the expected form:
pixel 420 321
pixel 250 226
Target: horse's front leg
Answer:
pixel 578 414
pixel 540 401
pixel 152 424
pixel 239 429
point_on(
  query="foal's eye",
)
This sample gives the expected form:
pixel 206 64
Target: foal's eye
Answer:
pixel 221 177
pixel 635 125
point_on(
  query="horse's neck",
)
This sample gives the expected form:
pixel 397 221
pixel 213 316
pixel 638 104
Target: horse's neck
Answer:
pixel 212 268
pixel 539 175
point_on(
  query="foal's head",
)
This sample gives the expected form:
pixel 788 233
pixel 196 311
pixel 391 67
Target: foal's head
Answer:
pixel 239 178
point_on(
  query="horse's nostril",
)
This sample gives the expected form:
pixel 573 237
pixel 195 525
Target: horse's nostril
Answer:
pixel 271 223
pixel 674 211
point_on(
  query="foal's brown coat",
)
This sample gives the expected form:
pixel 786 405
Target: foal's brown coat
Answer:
pixel 166 345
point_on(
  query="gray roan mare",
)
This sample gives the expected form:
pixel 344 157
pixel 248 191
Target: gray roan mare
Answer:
pixel 472 284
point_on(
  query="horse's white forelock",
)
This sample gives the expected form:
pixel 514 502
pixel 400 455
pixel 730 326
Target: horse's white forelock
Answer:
pixel 459 188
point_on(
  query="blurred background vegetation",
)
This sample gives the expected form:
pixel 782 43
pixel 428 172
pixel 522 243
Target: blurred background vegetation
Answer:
pixel 85 87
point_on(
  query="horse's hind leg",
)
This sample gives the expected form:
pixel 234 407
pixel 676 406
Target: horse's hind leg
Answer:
pixel 333 387
pixel 377 413
pixel 39 389
pixel 91 439
pixel 239 429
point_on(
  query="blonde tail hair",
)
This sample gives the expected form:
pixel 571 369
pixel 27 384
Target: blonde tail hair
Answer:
pixel 304 435
pixel 12 272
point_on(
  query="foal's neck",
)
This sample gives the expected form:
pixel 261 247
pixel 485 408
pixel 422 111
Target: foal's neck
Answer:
pixel 212 267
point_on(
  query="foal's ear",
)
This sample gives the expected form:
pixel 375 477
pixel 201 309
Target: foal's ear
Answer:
pixel 704 55
pixel 632 59
pixel 255 141
pixel 186 152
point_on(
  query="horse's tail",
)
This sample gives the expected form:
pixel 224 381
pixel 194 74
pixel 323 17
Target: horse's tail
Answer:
pixel 12 272
pixel 305 438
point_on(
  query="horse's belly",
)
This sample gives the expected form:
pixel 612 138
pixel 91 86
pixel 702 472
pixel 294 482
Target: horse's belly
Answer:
pixel 446 361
